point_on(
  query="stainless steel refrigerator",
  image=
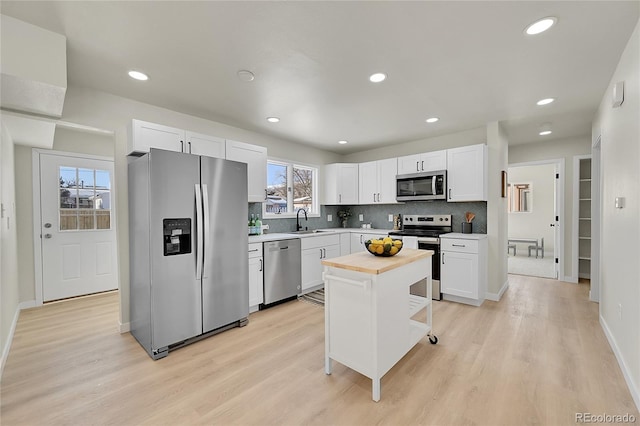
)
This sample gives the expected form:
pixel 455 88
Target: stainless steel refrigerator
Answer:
pixel 189 273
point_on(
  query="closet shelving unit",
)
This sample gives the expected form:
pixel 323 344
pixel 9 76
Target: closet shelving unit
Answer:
pixel 584 219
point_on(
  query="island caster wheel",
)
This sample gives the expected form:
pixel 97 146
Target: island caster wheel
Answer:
pixel 433 339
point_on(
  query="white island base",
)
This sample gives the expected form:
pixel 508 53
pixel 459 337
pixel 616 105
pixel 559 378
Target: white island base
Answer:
pixel 368 310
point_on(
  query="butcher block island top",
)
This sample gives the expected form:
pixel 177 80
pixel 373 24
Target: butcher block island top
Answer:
pixel 371 318
pixel 369 264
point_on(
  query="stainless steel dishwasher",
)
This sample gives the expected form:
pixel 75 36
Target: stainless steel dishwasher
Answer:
pixel 282 271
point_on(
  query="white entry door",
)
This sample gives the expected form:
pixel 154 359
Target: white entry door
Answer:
pixel 78 237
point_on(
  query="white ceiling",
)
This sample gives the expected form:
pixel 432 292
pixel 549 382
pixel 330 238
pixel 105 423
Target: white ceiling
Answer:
pixel 467 63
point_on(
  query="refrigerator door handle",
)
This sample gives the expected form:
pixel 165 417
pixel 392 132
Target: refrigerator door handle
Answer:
pixel 207 237
pixel 199 235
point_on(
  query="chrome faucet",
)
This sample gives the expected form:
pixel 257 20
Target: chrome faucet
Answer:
pixel 298 226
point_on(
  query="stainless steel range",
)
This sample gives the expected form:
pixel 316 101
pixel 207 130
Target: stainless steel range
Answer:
pixel 423 232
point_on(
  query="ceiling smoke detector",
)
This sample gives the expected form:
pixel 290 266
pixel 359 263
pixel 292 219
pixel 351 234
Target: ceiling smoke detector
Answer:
pixel 246 75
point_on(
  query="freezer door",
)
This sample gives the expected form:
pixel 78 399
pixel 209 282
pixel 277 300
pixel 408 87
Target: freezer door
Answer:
pixel 225 273
pixel 176 300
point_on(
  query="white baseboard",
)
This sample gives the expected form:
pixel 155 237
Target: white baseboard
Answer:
pixel 124 328
pixel 5 351
pixel 496 297
pixel 633 387
pixel 569 279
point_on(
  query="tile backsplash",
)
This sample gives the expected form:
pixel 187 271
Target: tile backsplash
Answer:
pixel 378 214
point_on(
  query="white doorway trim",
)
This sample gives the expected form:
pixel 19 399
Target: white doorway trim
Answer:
pixel 596 217
pixel 559 194
pixel 37 213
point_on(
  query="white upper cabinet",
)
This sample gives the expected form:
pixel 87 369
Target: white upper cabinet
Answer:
pixel 150 135
pixel 425 162
pixel 256 159
pixel 199 144
pixel 467 173
pixel 377 181
pixel 341 183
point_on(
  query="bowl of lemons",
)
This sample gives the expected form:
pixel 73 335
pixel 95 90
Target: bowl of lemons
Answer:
pixel 385 247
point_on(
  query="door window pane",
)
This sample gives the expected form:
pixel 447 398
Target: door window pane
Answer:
pixel 85 199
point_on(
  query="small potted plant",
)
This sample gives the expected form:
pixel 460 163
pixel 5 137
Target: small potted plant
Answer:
pixel 343 215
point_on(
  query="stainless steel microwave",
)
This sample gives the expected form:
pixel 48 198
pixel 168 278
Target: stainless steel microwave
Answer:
pixel 422 186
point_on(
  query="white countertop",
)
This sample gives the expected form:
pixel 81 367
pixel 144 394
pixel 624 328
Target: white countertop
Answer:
pixel 461 236
pixel 326 231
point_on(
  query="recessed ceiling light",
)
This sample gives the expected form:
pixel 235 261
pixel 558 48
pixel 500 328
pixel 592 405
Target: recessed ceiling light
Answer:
pixel 545 129
pixel 541 25
pixel 432 119
pixel 246 75
pixel 342 142
pixel 377 77
pixel 546 101
pixel 138 75
pixel 273 119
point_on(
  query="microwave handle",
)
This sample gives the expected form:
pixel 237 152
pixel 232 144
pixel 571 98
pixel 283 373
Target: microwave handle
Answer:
pixel 433 185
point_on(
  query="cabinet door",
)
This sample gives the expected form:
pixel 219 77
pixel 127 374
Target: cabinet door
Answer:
pixel 357 242
pixel 311 268
pixel 210 146
pixel 409 164
pixel 256 290
pixel 466 173
pixel 459 274
pixel 433 161
pixel 345 244
pixel 368 182
pixel 150 135
pixel 256 159
pixel 348 184
pixel 387 171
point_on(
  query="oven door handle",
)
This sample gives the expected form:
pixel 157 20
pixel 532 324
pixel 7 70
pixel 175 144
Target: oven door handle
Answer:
pixel 433 186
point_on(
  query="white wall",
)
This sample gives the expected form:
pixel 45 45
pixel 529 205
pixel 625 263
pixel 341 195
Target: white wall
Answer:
pixel 551 150
pixel 9 300
pixel 620 237
pixel 105 111
pixel 497 211
pixel 535 223
pixel 452 140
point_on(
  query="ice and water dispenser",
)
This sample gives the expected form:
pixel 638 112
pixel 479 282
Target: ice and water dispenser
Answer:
pixel 177 236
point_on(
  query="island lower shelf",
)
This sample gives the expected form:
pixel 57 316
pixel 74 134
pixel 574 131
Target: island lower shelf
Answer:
pixel 369 312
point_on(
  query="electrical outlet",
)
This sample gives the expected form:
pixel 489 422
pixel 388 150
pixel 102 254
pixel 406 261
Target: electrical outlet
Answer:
pixel 361 217
pixel 329 218
pixel 620 311
pixel 390 218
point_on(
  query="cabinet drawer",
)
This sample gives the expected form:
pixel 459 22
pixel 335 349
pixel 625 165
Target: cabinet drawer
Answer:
pixel 459 245
pixel 320 241
pixel 255 250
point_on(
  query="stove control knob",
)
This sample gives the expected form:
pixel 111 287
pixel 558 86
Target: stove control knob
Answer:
pixel 440 219
pixel 446 219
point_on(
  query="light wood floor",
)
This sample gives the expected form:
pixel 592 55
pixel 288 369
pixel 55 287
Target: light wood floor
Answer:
pixel 537 357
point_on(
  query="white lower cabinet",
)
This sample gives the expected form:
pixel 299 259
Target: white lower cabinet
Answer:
pixel 345 243
pixel 463 268
pixel 256 279
pixel 358 239
pixel 314 250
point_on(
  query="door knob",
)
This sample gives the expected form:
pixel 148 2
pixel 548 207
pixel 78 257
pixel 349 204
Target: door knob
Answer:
pixel 47 236
pixel 47 225
pixel 552 224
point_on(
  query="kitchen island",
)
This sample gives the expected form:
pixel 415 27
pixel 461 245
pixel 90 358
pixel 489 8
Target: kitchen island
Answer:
pixel 370 317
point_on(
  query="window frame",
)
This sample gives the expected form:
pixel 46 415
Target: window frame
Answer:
pixel 315 206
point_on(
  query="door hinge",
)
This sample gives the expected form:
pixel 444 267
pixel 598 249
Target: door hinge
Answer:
pixel 556 260
pixel 557 175
pixel 557 218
